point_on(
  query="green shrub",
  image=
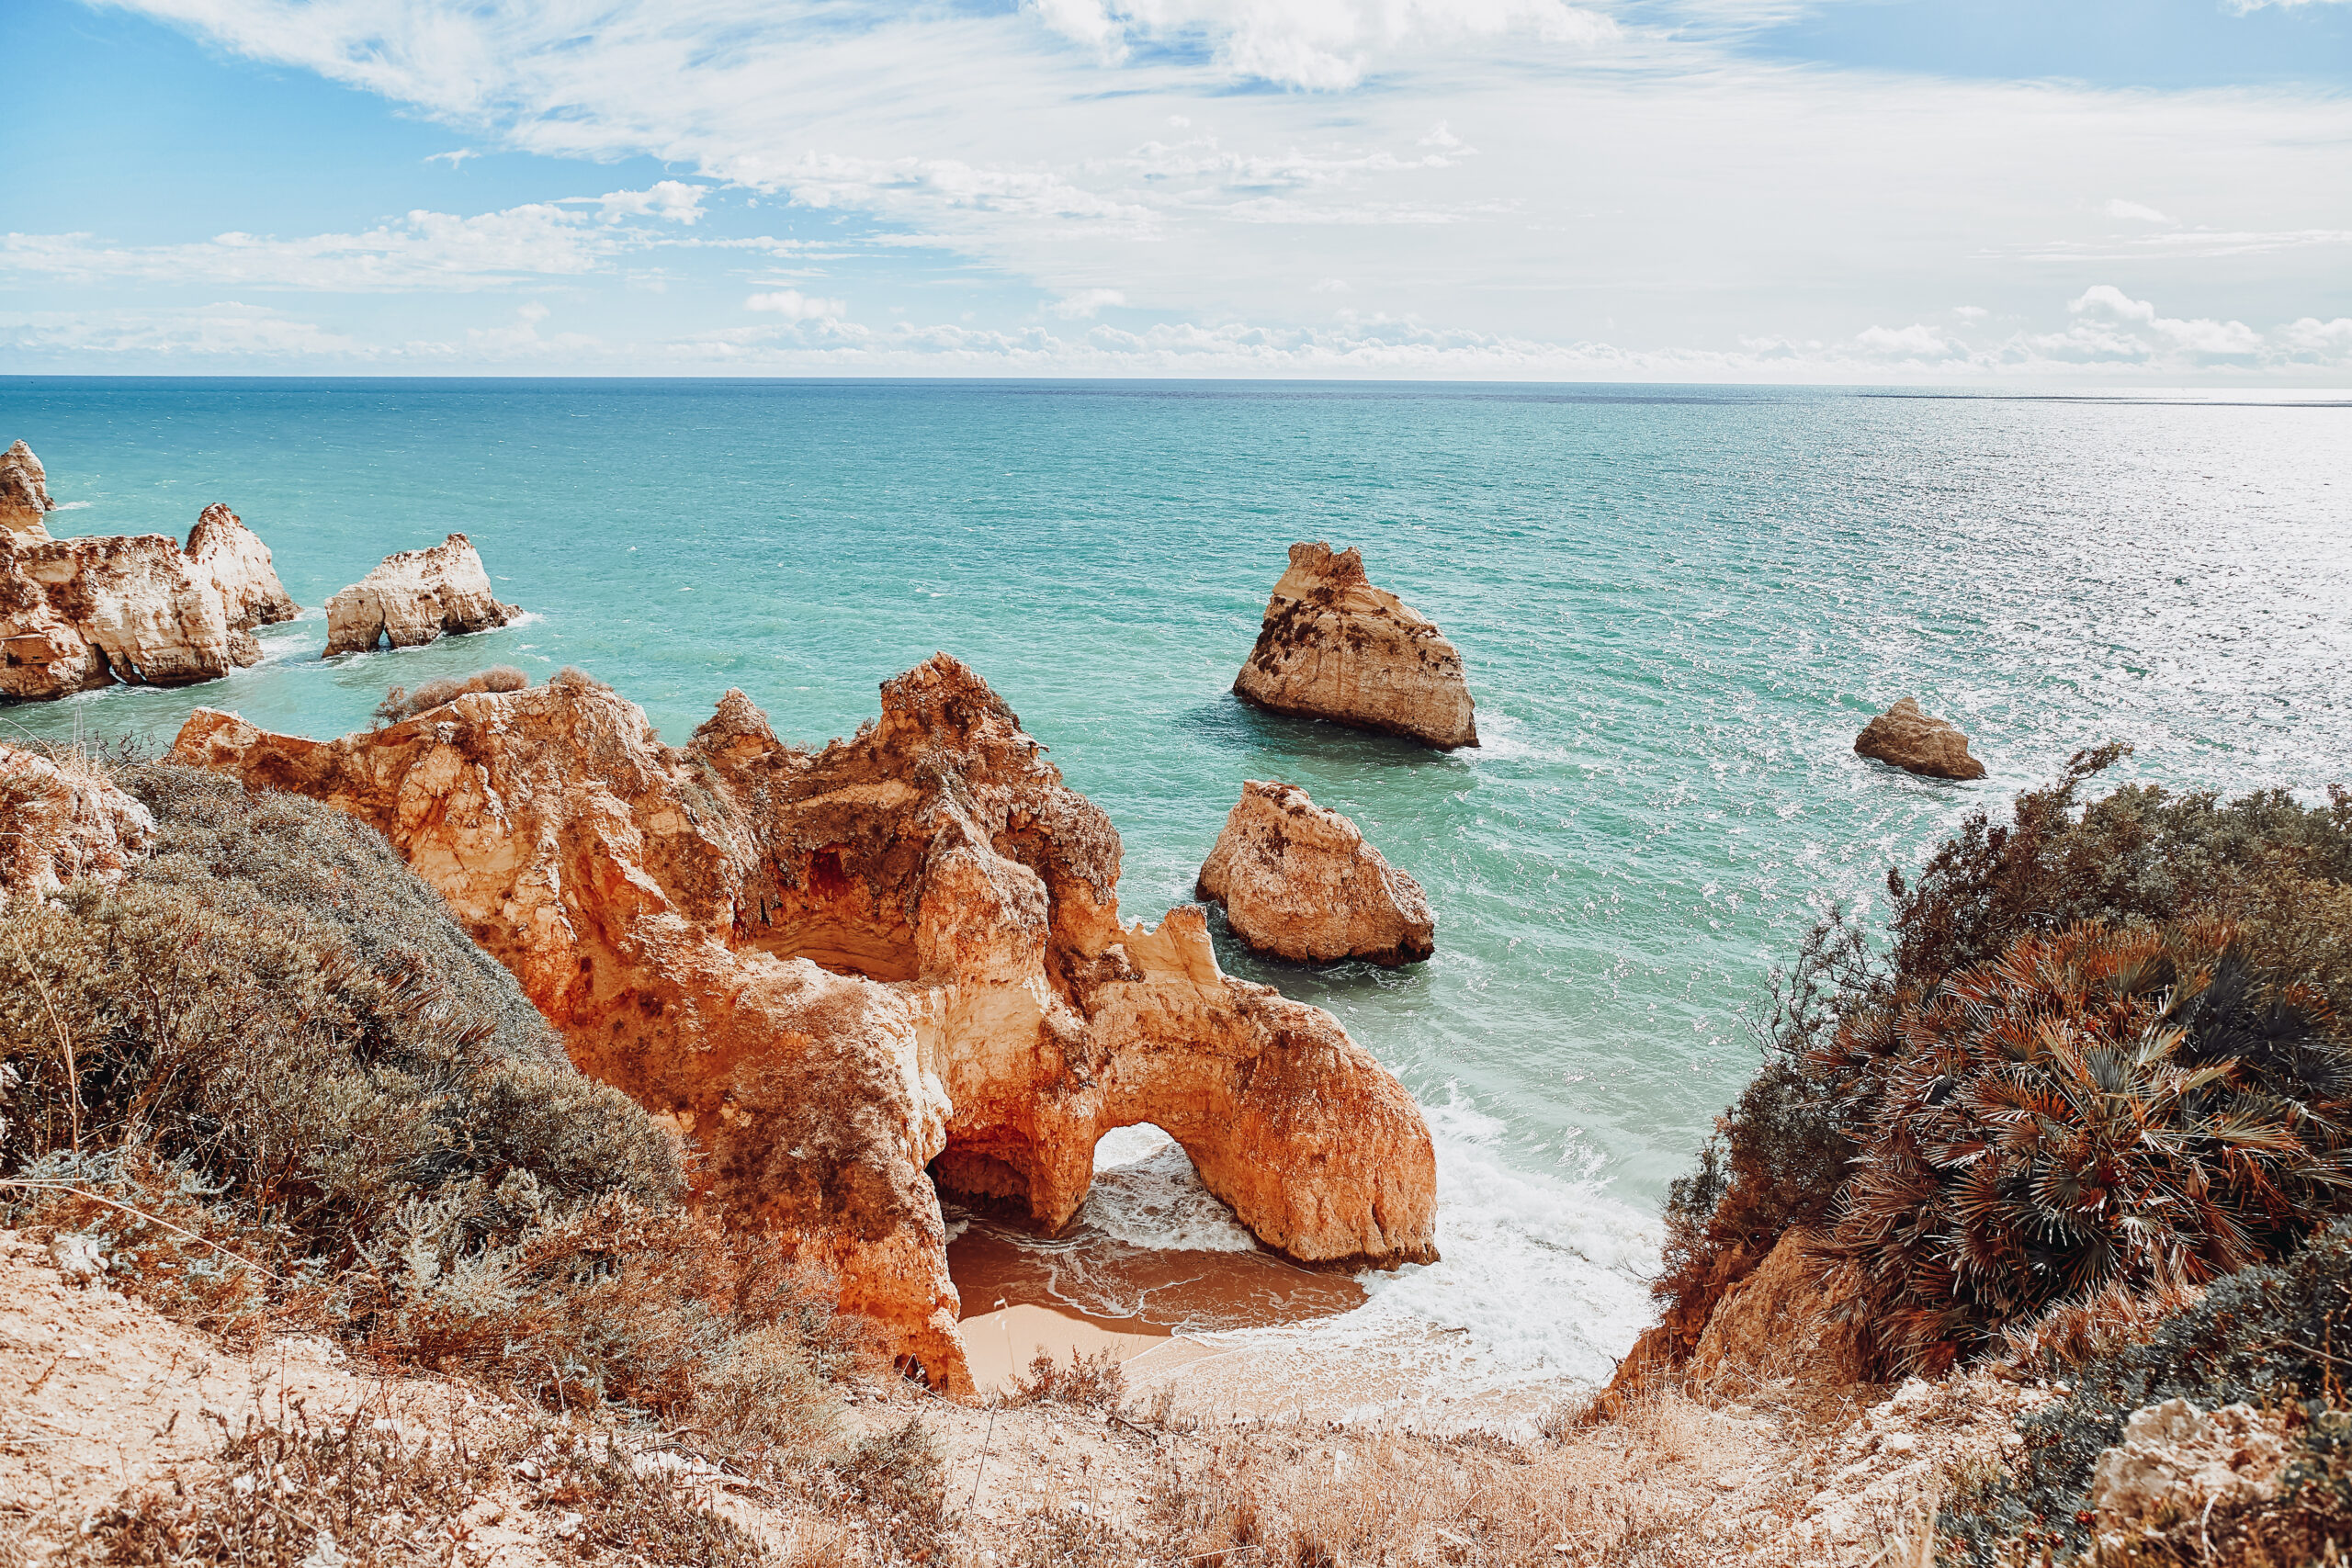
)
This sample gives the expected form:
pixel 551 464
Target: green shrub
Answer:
pixel 275 1000
pixel 277 1082
pixel 2275 1336
pixel 2105 1107
pixel 1815 1142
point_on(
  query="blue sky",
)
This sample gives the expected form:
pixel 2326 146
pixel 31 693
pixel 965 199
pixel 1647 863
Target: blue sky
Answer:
pixel 2105 191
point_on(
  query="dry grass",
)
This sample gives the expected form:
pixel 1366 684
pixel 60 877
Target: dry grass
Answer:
pixel 401 703
pixel 1637 1491
pixel 1088 1382
pixel 369 1490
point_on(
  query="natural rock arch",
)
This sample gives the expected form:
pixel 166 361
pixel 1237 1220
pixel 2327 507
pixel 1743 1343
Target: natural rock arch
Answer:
pixel 843 970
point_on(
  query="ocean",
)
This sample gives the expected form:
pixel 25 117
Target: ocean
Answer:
pixel 1676 606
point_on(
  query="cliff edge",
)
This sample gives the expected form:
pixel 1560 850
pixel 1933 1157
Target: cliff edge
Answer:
pixel 852 973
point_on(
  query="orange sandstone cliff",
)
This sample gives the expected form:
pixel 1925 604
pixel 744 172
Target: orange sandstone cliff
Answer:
pixel 857 977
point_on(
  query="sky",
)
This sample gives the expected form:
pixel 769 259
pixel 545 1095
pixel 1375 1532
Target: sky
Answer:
pixel 2048 192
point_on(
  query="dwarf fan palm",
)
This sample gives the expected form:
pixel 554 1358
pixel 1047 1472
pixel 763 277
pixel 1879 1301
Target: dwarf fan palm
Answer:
pixel 2098 1106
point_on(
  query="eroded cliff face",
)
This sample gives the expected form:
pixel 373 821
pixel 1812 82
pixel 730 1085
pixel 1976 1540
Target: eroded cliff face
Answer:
pixel 847 974
pixel 414 597
pixel 79 614
pixel 24 494
pixel 1334 646
pixel 1299 881
pixel 238 564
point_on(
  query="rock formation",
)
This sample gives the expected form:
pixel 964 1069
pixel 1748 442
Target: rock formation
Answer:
pixel 24 493
pixel 1299 881
pixel 1335 647
pixel 62 822
pixel 78 614
pixel 1782 1317
pixel 850 974
pixel 414 597
pixel 2176 1459
pixel 1917 743
pixel 240 566
pixel 1782 1321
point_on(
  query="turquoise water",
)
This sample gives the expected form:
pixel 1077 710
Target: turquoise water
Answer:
pixel 1677 607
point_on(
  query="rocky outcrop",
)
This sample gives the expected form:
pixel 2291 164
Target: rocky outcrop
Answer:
pixel 1786 1316
pixel 853 973
pixel 414 597
pixel 24 494
pixel 1782 1321
pixel 1335 647
pixel 242 572
pixel 1299 881
pixel 1917 743
pixel 63 821
pixel 2176 1461
pixel 80 613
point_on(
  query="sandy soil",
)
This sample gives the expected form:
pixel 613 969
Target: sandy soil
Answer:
pixel 100 1395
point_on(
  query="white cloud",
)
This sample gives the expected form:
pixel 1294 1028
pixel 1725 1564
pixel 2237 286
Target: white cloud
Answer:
pixel 795 305
pixel 1332 286
pixel 2134 212
pixel 1086 302
pixel 673 199
pixel 454 157
pixel 205 334
pixel 2108 336
pixel 422 251
pixel 1915 342
pixel 1654 190
pixel 1328 45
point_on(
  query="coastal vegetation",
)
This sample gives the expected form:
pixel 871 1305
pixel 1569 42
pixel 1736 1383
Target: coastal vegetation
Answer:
pixel 2068 1140
pixel 2087 1108
pixel 266 1084
pixel 399 703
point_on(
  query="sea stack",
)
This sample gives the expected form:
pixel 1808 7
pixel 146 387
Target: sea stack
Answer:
pixel 1919 743
pixel 241 568
pixel 1335 647
pixel 80 613
pixel 1299 881
pixel 862 976
pixel 415 597
pixel 24 494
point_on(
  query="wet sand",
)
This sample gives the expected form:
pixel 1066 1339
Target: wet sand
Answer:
pixel 1023 1296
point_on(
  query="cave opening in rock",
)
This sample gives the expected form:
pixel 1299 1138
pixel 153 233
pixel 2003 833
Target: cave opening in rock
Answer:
pixel 1152 1249
pixel 834 917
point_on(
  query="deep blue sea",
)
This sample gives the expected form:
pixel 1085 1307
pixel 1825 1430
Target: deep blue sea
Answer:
pixel 1676 606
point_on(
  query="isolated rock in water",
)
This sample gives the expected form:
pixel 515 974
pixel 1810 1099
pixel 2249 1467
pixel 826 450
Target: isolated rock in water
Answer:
pixel 1335 647
pixel 2175 1459
pixel 240 567
pixel 414 597
pixel 1917 743
pixel 851 974
pixel 1299 881
pixel 24 493
pixel 78 614
pixel 62 821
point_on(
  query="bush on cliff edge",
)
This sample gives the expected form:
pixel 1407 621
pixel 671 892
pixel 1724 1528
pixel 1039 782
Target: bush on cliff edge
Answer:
pixel 2103 1046
pixel 274 1080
